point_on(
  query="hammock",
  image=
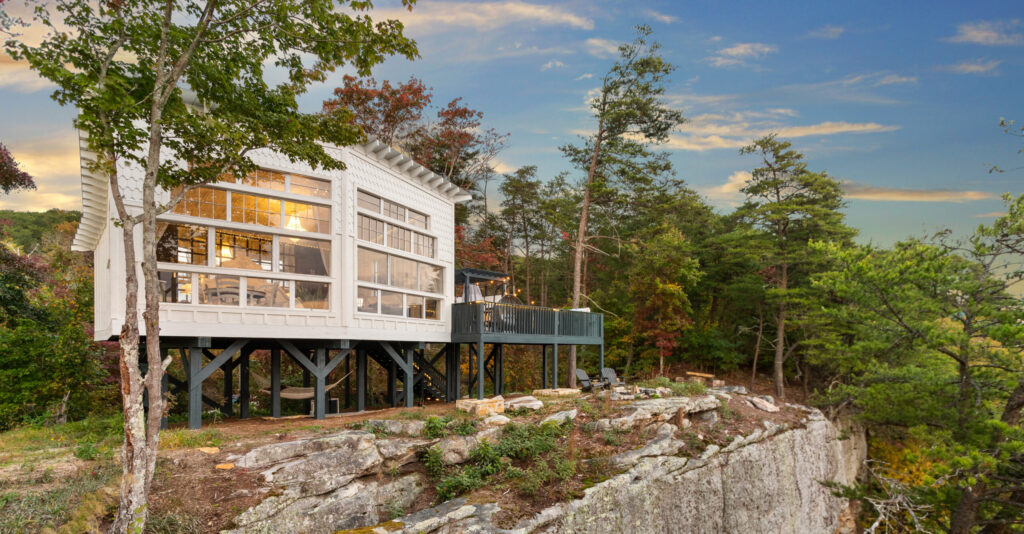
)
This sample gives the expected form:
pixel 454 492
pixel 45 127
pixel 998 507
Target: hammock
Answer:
pixel 295 393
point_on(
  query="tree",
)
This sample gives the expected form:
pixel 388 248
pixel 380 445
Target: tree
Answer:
pixel 12 178
pixel 521 192
pixel 662 274
pixel 389 113
pixel 791 205
pixel 125 65
pixel 934 358
pixel 630 115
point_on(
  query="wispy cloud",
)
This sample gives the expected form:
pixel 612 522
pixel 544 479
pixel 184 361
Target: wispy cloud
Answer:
pixel 860 191
pixel 18 76
pixel 729 192
pixel 827 32
pixel 660 17
pixel 739 54
pixel 893 79
pixel 54 164
pixel 584 76
pixel 990 215
pixel 978 67
pixel 990 33
pixel 553 64
pixel 735 129
pixel 602 48
pixel 435 18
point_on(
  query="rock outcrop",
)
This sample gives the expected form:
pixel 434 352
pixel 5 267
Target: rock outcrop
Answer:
pixel 768 481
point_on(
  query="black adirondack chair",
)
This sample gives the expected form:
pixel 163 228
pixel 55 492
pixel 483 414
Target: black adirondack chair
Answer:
pixel 610 378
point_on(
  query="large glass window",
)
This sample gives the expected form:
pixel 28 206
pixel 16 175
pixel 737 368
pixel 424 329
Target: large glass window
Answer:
pixel 399 238
pixel 371 230
pixel 260 292
pixel 367 300
pixel 369 202
pixel 312 295
pixel 255 209
pixel 391 303
pixel 181 243
pixel 218 289
pixel 430 278
pixel 175 287
pixel 403 273
pixel 424 245
pixel 307 217
pixel 245 250
pixel 304 185
pixel 373 266
pixel 305 256
pixel 202 202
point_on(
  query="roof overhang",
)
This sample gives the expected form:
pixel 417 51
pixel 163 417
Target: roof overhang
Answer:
pixel 404 163
pixel 94 200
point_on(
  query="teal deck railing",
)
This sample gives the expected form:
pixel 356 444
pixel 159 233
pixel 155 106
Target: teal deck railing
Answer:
pixel 512 323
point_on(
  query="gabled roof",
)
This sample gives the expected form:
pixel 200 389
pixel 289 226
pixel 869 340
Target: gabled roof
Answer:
pixel 95 192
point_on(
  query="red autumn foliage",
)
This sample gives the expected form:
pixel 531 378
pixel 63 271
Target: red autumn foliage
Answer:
pixel 387 112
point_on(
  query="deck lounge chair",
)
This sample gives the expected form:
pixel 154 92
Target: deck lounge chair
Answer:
pixel 588 383
pixel 610 378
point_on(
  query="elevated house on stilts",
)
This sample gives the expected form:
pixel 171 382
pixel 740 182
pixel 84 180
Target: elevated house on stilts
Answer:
pixel 332 269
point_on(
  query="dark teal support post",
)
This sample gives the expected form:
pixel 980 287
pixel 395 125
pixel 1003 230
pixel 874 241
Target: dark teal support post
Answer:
pixel 243 384
pixel 361 379
pixel 306 383
pixel 480 362
pixel 319 393
pixel 275 382
pixel 229 388
pixel 410 379
pixel 554 366
pixel 348 381
pixel 195 388
pixel 544 366
pixel 601 359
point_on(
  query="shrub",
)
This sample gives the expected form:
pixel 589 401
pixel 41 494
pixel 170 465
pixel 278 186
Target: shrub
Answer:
pixel 682 389
pixel 436 427
pixel 527 441
pixel 86 451
pixel 433 461
pixel 465 427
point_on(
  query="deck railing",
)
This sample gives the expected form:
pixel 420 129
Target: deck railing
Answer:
pixel 518 319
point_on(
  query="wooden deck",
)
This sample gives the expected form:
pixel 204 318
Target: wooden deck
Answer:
pixel 524 325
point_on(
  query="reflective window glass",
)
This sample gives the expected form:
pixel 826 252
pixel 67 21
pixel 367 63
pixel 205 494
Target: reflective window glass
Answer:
pixel 260 292
pixel 181 243
pixel 373 266
pixel 218 289
pixel 307 217
pixel 371 230
pixel 391 303
pixel 305 256
pixel 399 238
pixel 433 309
pixel 414 306
pixel 366 300
pixel 312 295
pixel 175 287
pixel 403 273
pixel 369 202
pixel 430 278
pixel 314 187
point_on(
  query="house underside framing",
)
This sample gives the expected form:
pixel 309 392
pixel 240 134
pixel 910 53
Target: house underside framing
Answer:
pixel 432 375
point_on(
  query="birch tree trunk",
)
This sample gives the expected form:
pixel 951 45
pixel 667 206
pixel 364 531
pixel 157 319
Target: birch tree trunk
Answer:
pixel 581 238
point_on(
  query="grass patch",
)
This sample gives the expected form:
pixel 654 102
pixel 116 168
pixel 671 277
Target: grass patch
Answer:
pixel 35 511
pixel 436 427
pixel 174 523
pixel 100 432
pixel 679 389
pixel 190 439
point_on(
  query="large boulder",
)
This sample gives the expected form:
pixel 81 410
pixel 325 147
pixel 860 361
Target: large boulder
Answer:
pixel 641 411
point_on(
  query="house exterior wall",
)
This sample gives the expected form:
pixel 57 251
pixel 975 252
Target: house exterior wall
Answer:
pixel 365 171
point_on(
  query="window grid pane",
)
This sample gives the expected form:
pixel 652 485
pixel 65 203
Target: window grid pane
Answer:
pixel 395 211
pixel 218 289
pixel 417 219
pixel 182 243
pixel 254 209
pixel 175 287
pixel 245 250
pixel 366 300
pixel 202 202
pixel 399 238
pixel 307 217
pixel 304 185
pixel 371 230
pixel 391 303
pixel 369 202
pixel 424 245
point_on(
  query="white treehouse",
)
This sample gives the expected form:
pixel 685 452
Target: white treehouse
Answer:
pixel 321 265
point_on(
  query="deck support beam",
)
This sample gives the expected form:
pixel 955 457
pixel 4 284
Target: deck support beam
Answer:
pixel 544 366
pixel 361 380
pixel 243 384
pixel 404 362
pixel 319 371
pixel 480 365
pixel 554 366
pixel 275 382
pixel 197 373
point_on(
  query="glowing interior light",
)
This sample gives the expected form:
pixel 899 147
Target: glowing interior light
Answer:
pixel 295 224
pixel 227 252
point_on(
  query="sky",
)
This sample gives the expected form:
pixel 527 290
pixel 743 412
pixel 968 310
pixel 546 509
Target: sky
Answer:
pixel 900 101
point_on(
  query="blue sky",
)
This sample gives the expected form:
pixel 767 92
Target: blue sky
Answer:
pixel 900 100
